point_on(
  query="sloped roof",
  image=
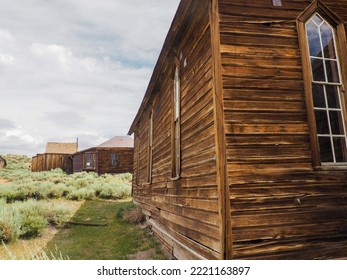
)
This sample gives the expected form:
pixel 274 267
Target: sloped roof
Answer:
pixel 61 148
pixel 119 142
pixel 181 15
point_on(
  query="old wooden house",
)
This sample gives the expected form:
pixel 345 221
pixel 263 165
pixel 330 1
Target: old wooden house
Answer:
pixel 113 156
pixel 240 141
pixel 2 162
pixel 57 155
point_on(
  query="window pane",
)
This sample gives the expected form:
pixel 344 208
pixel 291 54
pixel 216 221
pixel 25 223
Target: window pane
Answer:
pixel 326 154
pixel 176 110
pixel 322 122
pixel 114 159
pixel 336 122
pixel 340 149
pixel 150 128
pixel 318 96
pixel 317 19
pixel 325 90
pixel 89 160
pixel 332 71
pixel 318 70
pixel 313 39
pixel 176 95
pixel 277 2
pixel 332 96
pixel 328 41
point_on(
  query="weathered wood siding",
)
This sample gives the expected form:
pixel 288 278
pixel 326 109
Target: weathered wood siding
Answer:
pixel 46 162
pixel 184 212
pixel 281 207
pixel 35 163
pixel 78 162
pixel 103 160
pixel 125 160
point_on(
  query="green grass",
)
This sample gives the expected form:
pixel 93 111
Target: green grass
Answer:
pixel 32 204
pixel 118 240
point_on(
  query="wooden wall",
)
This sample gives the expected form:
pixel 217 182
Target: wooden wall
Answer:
pixel 78 162
pixel 282 208
pixel 46 162
pixel 183 212
pixel 125 160
pixel 37 163
pixel 103 160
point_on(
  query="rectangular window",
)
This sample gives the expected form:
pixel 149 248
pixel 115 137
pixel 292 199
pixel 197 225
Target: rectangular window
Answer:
pixel 137 141
pixel 150 148
pixel 114 159
pixel 326 95
pixel 176 127
pixel 89 161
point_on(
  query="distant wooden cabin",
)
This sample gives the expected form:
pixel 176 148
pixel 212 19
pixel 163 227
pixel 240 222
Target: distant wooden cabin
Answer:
pixel 2 162
pixel 114 156
pixel 57 155
pixel 240 141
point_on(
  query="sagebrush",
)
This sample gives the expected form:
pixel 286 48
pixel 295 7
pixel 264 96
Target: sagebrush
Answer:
pixel 25 184
pixel 27 219
pixel 25 198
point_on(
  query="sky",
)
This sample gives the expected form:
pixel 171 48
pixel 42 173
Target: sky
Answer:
pixel 75 68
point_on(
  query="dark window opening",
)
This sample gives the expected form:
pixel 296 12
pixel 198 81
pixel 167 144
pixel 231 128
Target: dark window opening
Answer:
pixel 89 161
pixel 114 160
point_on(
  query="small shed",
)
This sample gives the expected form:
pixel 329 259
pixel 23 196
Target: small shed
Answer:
pixel 114 156
pixel 2 162
pixel 57 155
pixel 240 141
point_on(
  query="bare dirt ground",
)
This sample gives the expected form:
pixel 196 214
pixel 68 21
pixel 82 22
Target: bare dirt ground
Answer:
pixel 151 254
pixel 4 181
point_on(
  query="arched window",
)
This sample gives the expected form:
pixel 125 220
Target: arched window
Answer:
pixel 326 94
pixel 323 47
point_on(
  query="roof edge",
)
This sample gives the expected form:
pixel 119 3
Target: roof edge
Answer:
pixel 170 38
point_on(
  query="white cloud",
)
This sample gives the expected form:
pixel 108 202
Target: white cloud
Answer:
pixel 53 53
pixel 6 59
pixel 15 141
pixel 6 35
pixel 6 124
pixel 17 133
pixel 77 68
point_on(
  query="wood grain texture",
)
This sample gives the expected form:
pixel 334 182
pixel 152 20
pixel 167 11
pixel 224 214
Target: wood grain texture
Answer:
pixel 49 161
pixel 248 169
pixel 103 165
pixel 185 209
pixel 281 207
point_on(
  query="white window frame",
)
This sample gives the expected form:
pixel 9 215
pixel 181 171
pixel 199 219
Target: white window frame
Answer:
pixel 89 161
pixel 326 83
